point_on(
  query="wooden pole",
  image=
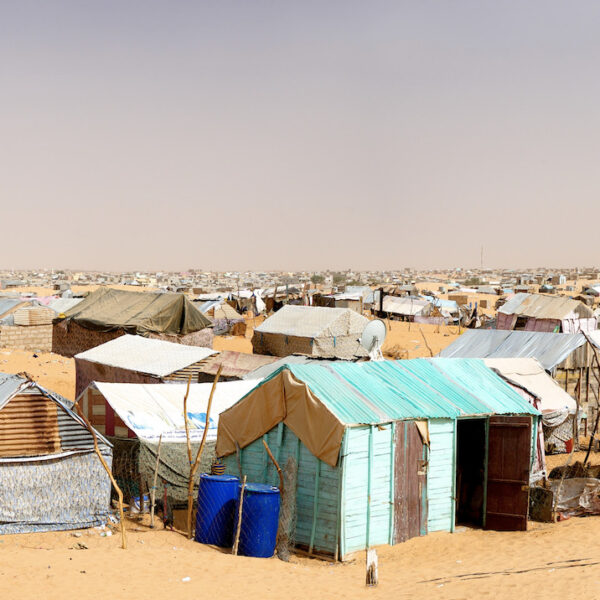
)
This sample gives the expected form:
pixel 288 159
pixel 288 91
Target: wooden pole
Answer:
pixel 196 462
pixel 239 519
pixel 153 491
pixel 108 470
pixel 593 435
pixel 425 340
pixel 279 471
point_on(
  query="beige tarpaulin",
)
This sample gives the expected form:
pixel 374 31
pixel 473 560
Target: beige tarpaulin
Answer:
pixel 286 399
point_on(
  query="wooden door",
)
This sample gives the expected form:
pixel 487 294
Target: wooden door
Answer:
pixel 410 482
pixel 509 452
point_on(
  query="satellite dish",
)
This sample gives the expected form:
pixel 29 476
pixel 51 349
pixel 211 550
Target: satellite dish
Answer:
pixel 372 338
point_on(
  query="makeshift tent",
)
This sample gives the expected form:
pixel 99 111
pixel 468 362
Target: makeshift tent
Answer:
pixel 142 413
pixel 224 317
pixel 388 450
pixel 107 313
pixel 50 477
pixel 536 312
pixel 136 359
pixel 311 330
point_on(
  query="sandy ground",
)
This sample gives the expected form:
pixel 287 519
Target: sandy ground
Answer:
pixel 52 371
pixel 557 560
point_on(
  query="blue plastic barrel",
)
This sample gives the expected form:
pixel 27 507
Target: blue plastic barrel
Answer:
pixel 217 496
pixel 260 518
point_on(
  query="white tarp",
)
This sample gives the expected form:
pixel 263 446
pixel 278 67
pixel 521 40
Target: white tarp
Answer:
pixel 145 355
pixel 529 373
pixel 157 408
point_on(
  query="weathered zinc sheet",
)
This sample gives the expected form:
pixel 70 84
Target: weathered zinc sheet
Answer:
pixel 35 498
pixel 106 309
pixel 550 349
pixel 440 475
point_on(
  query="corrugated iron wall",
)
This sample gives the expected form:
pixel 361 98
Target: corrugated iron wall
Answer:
pixel 29 426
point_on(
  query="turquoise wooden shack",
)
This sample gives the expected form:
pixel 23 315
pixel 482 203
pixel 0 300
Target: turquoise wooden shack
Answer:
pixel 387 450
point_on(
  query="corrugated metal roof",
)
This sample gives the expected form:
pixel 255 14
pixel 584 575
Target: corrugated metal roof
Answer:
pixel 495 395
pixel 9 385
pixel 62 305
pixel 313 321
pixel 145 355
pixel 550 349
pixel 383 391
pixel 542 307
pixel 8 304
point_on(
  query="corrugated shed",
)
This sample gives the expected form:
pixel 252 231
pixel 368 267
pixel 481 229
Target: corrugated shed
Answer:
pixel 550 349
pixel 313 321
pixel 145 355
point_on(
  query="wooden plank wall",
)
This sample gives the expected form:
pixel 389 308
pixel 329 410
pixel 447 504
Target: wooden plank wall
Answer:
pixel 355 510
pixel 441 475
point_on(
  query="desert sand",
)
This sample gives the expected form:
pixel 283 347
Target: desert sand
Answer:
pixel 557 560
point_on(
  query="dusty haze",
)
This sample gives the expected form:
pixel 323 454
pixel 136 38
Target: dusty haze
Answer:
pixel 299 135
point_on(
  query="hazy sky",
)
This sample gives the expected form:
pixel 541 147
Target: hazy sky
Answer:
pixel 299 135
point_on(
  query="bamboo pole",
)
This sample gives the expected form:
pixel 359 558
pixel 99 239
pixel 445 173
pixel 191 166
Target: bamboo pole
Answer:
pixel 153 491
pixel 239 519
pixel 109 471
pixel 196 462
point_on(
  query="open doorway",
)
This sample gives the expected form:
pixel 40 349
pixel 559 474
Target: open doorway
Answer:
pixel 470 471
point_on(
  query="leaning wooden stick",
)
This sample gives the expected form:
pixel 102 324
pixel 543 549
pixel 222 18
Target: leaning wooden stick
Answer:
pixel 196 462
pixel 153 491
pixel 279 471
pixel 239 519
pixel 108 470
